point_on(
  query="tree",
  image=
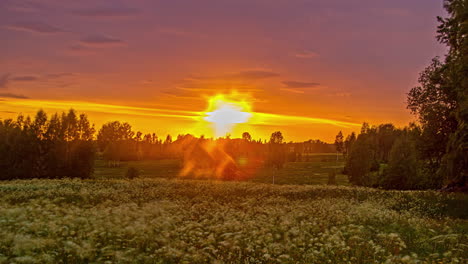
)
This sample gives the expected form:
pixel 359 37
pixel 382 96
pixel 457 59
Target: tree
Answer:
pixel 359 162
pixel 85 129
pixel 386 135
pixel 276 151
pixel 246 136
pixel 60 147
pixel 114 132
pixel 339 144
pixel 276 138
pixel 441 102
pixel 434 107
pixel 403 167
pixel 168 139
pixel 350 139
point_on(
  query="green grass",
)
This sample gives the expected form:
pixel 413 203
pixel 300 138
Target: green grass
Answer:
pixel 197 221
pixel 315 171
pixel 148 169
pixel 301 173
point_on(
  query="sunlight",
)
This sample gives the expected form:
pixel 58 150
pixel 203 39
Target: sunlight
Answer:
pixel 224 113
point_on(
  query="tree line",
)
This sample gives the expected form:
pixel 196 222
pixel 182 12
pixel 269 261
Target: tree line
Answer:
pixel 61 146
pixel 66 145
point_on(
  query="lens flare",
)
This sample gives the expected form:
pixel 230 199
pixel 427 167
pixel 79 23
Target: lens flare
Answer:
pixel 225 113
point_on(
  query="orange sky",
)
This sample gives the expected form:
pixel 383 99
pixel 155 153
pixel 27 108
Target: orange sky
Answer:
pixel 303 65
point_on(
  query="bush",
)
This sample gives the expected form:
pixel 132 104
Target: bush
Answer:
pixel 132 173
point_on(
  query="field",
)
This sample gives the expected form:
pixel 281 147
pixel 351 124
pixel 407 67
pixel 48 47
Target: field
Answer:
pixel 194 221
pixel 315 171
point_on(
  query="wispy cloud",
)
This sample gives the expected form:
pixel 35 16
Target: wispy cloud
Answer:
pixel 253 74
pixel 297 84
pixel 106 12
pixel 25 78
pixel 35 27
pixel 79 50
pixel 292 90
pixel 298 87
pixel 340 94
pixel 11 95
pixel 58 75
pixel 177 32
pixel 306 54
pixel 100 41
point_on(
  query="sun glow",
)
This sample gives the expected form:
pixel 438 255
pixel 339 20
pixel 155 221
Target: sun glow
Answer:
pixel 225 113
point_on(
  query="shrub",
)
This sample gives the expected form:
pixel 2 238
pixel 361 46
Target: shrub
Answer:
pixel 132 173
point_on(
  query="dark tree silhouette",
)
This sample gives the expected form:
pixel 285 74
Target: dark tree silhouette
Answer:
pixel 60 147
pixel 441 102
pixel 339 144
pixel 403 168
pixel 277 150
pixel 246 136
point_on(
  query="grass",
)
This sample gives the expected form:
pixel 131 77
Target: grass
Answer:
pixel 155 220
pixel 314 171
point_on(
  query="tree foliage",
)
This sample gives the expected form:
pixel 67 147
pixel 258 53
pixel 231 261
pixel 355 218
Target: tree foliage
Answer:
pixel 277 150
pixel 359 162
pixel 441 102
pixel 339 143
pixel 61 146
pixel 403 167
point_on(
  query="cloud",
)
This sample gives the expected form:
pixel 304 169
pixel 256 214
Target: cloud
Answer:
pixel 11 95
pixel 35 27
pixel 147 82
pixel 4 80
pixel 296 84
pixel 25 78
pixel 177 32
pixel 253 74
pixel 340 94
pixel 79 50
pixel 101 40
pixel 292 90
pixel 306 54
pixel 106 12
pixel 178 96
pixel 58 75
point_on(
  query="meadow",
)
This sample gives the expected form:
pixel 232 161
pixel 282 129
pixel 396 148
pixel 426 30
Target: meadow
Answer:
pixel 313 171
pixel 169 220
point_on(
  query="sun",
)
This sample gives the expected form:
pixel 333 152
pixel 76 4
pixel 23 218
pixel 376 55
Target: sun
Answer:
pixel 225 112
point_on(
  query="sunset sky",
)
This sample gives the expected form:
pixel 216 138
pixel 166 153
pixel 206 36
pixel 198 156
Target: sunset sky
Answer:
pixel 308 68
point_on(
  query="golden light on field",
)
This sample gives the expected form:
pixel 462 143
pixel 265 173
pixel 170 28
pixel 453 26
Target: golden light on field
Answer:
pixel 225 113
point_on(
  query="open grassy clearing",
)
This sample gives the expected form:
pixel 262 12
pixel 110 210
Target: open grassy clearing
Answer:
pixel 187 221
pixel 313 171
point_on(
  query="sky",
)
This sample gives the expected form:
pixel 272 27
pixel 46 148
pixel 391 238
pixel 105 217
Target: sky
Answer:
pixel 308 68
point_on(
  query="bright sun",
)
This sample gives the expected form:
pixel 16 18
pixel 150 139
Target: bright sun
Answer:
pixel 224 113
